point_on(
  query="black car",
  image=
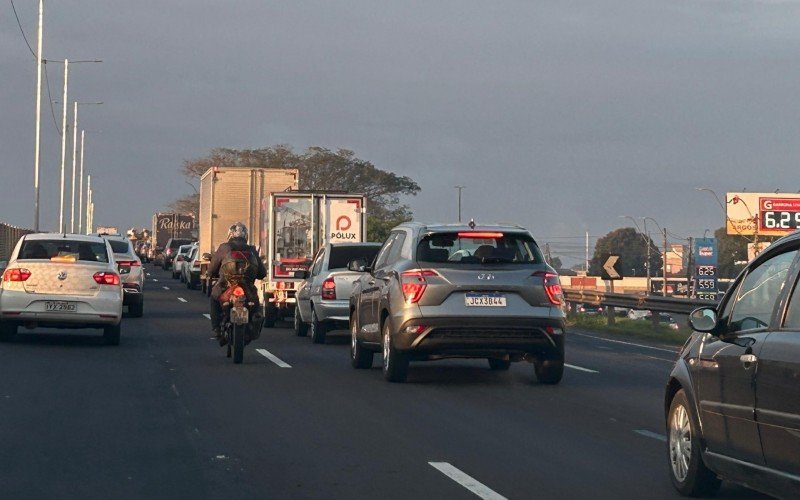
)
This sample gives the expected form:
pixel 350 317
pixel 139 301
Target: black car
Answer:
pixel 171 250
pixel 733 398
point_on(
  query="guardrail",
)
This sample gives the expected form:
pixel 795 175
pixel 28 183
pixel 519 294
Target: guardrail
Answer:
pixel 9 236
pixel 652 303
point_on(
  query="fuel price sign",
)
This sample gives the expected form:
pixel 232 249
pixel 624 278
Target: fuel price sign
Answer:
pixel 778 216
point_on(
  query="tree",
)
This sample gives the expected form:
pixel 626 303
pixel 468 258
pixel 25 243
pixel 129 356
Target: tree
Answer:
pixel 631 246
pixel 324 169
pixel 186 205
pixel 730 248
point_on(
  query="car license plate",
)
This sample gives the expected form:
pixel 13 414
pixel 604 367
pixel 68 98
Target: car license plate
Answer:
pixel 60 306
pixel 485 300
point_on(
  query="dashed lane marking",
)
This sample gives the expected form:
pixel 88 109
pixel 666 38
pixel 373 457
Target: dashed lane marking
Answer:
pixel 165 287
pixel 467 481
pixel 208 316
pixel 626 343
pixel 181 299
pixel 580 368
pixel 650 434
pixel 154 279
pixel 275 359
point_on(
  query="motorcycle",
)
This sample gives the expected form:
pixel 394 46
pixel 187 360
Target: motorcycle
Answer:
pixel 241 318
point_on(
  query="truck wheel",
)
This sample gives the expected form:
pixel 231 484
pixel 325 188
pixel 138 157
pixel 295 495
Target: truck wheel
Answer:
pixel 318 328
pixel 300 328
pixel 270 314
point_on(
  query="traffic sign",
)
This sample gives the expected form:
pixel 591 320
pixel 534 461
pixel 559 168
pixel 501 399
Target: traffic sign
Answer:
pixel 612 268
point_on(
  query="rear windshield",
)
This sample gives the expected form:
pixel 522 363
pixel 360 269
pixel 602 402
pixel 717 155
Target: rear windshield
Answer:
pixel 341 256
pixel 178 243
pixel 474 247
pixel 64 250
pixel 119 246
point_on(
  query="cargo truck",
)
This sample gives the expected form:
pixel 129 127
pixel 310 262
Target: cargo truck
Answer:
pixel 167 226
pixel 235 194
pixel 299 224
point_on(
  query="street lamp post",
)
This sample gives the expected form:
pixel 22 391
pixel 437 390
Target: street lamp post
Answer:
pixel 646 237
pixel 664 258
pixel 37 140
pixel 61 227
pixel 460 188
pixel 74 148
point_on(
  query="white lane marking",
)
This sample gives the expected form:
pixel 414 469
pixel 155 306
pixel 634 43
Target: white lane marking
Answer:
pixel 165 287
pixel 208 316
pixel 670 361
pixel 275 359
pixel 626 343
pixel 650 434
pixel 181 299
pixel 148 274
pixel 154 279
pixel 580 368
pixel 467 481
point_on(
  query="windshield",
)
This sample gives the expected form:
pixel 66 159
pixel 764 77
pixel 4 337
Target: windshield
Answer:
pixel 479 247
pixel 64 250
pixel 341 256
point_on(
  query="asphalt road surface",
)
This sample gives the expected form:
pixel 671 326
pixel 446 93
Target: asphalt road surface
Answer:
pixel 167 415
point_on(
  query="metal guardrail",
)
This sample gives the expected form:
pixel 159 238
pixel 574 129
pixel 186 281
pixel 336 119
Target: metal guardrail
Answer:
pixel 9 236
pixel 632 301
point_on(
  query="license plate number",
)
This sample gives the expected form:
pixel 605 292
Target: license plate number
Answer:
pixel 60 306
pixel 239 316
pixel 485 300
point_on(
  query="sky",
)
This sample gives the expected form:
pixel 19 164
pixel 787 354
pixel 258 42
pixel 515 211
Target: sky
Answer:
pixel 560 116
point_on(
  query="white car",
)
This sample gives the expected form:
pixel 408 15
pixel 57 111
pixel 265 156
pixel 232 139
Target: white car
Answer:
pixel 180 259
pixel 131 273
pixel 61 281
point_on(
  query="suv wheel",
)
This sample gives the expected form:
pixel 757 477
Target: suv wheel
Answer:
pixel 360 357
pixel 499 364
pixel 318 328
pixel 549 371
pixel 688 473
pixel 300 328
pixel 395 363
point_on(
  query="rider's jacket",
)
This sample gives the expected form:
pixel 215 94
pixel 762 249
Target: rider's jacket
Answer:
pixel 223 253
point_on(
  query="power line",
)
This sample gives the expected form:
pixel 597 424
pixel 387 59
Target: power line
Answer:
pixel 22 30
pixel 49 98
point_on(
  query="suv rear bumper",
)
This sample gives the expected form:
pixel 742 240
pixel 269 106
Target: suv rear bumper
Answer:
pixel 482 336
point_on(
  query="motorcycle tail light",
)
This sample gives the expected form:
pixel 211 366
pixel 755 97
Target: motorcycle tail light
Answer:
pixel 238 292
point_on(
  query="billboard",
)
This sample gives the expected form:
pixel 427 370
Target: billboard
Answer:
pixel 763 214
pixel 344 220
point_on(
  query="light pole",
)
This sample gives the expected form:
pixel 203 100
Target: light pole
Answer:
pixel 37 140
pixel 74 148
pixel 646 242
pixel 664 258
pixel 460 188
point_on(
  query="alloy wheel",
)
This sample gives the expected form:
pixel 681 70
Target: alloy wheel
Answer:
pixel 680 443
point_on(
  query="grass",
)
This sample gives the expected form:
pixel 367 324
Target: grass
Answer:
pixel 630 328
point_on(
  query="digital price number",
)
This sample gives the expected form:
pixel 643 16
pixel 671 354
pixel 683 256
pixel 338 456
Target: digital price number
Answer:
pixel 706 284
pixel 707 271
pixel 706 295
pixel 778 215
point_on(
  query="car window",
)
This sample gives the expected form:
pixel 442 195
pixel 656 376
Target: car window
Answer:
pixel 118 246
pixel 60 250
pixel 316 267
pixel 397 247
pixel 756 297
pixel 341 256
pixel 479 247
pixel 792 319
pixel 383 255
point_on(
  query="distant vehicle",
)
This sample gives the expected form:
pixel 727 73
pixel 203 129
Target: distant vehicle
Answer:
pixel 55 280
pixel 638 314
pixel 143 251
pixel 590 310
pixel 732 402
pixel 167 226
pixel 131 274
pixel 191 268
pixel 111 230
pixel 180 258
pixel 171 249
pixel 323 299
pixel 425 298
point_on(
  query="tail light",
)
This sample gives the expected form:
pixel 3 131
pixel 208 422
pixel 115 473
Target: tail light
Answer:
pixel 414 283
pixel 16 274
pixel 169 251
pixel 552 287
pixel 106 278
pixel 238 292
pixel 480 235
pixel 328 289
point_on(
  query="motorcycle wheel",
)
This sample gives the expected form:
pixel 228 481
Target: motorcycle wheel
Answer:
pixel 238 343
pixel 228 338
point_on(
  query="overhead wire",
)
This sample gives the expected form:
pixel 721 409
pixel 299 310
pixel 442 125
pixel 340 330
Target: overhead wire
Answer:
pixel 50 99
pixel 14 8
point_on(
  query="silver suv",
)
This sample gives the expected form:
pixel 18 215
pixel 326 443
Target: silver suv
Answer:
pixel 438 291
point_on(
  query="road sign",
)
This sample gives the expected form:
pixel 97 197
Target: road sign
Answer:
pixel 612 268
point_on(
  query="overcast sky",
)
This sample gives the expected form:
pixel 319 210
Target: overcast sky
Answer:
pixel 557 115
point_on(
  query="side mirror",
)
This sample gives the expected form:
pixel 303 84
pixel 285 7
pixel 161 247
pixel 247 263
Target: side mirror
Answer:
pixel 206 256
pixel 703 319
pixel 358 266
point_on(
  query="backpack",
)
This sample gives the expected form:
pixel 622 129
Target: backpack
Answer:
pixel 238 267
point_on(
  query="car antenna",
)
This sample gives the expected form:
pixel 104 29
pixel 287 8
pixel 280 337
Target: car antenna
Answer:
pixel 472 223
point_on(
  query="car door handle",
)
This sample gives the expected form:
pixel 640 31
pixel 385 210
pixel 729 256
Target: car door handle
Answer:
pixel 748 360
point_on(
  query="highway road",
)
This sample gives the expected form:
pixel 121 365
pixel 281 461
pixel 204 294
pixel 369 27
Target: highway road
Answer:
pixel 167 415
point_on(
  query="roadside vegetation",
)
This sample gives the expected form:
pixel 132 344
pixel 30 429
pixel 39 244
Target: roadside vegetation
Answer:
pixel 631 328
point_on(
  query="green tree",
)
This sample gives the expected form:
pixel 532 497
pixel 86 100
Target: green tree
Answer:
pixel 324 169
pixel 631 246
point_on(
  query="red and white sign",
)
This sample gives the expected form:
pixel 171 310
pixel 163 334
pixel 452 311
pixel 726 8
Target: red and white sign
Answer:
pixel 344 220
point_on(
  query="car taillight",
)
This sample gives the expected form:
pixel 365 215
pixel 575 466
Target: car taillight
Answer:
pixel 16 274
pixel 552 287
pixel 413 283
pixel 106 278
pixel 328 289
pixel 479 235
pixel 169 251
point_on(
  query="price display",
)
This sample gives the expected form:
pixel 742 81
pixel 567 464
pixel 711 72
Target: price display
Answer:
pixel 707 271
pixel 780 220
pixel 778 215
pixel 706 284
pixel 706 295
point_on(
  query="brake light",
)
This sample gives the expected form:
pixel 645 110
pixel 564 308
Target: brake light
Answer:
pixel 480 235
pixel 413 283
pixel 106 278
pixel 552 287
pixel 16 274
pixel 328 289
pixel 238 292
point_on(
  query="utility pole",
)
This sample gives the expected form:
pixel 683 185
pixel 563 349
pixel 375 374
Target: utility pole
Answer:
pixel 88 204
pixel 647 263
pixel 61 227
pixel 587 253
pixel 664 288
pixel 690 269
pixel 74 149
pixel 80 194
pixel 460 188
pixel 37 141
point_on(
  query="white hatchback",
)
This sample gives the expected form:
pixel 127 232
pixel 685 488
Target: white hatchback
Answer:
pixel 61 281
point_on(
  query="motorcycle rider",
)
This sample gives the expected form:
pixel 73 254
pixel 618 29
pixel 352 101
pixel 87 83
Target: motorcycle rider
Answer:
pixel 237 241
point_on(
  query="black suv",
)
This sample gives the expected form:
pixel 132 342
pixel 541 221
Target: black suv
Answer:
pixel 171 250
pixel 733 398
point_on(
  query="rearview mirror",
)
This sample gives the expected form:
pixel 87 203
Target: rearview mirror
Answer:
pixel 206 256
pixel 703 319
pixel 358 266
